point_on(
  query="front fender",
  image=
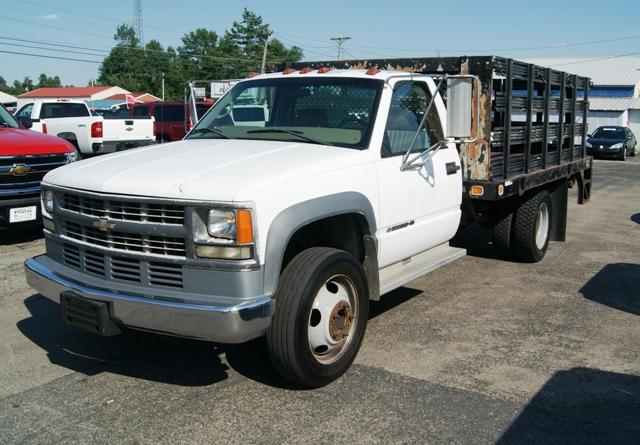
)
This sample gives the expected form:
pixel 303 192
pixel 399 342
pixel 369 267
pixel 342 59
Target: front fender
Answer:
pixel 288 221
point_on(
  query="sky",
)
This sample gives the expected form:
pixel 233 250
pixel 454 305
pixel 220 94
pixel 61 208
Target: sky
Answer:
pixel 399 28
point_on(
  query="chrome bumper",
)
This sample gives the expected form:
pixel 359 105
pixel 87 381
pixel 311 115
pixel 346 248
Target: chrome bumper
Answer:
pixel 220 323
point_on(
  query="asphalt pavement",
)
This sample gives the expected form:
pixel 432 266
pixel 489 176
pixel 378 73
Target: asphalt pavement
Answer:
pixel 482 351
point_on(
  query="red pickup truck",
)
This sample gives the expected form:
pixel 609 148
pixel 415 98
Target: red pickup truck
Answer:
pixel 25 157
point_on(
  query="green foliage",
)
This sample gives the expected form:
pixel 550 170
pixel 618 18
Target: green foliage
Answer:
pixel 203 54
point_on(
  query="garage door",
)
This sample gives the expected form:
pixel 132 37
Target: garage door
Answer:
pixel 634 122
pixel 601 118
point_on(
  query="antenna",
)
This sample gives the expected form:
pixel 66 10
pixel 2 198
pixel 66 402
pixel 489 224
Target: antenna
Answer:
pixel 340 40
pixel 137 20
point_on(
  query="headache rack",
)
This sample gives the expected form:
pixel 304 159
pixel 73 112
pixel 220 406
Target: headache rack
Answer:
pixel 530 124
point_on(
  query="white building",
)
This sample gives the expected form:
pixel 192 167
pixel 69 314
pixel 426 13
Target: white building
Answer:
pixel 615 93
pixel 7 99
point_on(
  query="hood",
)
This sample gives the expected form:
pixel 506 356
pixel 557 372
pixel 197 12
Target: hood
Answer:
pixel 604 141
pixel 206 169
pixel 20 142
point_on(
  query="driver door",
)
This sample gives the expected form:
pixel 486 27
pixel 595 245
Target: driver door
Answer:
pixel 420 205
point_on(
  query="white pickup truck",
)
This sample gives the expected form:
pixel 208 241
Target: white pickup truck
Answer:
pixel 72 120
pixel 352 186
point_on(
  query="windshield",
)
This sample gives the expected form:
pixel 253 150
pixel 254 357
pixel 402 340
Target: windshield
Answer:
pixel 328 111
pixel 6 120
pixel 609 133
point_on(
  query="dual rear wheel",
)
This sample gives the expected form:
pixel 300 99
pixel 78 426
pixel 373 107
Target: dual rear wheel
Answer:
pixel 525 232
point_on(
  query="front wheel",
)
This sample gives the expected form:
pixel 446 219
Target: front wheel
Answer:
pixel 321 310
pixel 623 154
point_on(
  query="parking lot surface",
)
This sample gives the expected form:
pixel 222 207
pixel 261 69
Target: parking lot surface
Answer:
pixel 482 351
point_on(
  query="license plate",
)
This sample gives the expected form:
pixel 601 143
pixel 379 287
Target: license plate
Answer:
pixel 22 214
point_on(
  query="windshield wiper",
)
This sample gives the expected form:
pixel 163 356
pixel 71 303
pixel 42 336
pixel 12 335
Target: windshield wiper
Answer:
pixel 291 132
pixel 210 130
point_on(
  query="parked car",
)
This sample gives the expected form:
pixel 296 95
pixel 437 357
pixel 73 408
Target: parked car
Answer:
pixel 611 141
pixel 72 120
pixel 169 118
pixel 350 186
pixel 25 157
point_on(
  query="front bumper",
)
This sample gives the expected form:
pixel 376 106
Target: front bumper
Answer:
pixel 215 321
pixel 7 204
pixel 605 152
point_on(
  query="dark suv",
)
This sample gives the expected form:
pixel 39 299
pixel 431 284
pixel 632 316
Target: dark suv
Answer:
pixel 612 141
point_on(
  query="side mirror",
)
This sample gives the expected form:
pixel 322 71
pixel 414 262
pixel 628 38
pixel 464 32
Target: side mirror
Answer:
pixel 460 108
pixel 589 135
pixel 25 122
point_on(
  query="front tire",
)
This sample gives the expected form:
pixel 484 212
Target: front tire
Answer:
pixel 320 317
pixel 532 227
pixel 623 154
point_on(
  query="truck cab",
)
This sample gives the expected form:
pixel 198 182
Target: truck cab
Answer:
pixel 348 185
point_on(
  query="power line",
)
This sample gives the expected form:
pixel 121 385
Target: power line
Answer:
pixel 74 31
pixel 98 17
pixel 51 49
pixel 48 57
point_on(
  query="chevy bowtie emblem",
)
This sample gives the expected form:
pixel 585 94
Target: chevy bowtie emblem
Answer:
pixel 19 170
pixel 103 225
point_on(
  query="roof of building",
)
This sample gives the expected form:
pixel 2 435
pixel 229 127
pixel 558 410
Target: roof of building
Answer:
pixel 65 92
pixel 614 103
pixel 7 98
pixel 611 71
pixel 140 97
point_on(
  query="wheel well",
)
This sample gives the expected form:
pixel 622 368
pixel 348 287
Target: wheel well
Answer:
pixel 345 231
pixel 69 137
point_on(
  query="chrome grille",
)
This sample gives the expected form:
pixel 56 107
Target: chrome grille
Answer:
pixel 131 242
pixel 123 211
pixel 119 268
pixel 29 182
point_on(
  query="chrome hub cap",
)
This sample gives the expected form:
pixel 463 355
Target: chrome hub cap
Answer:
pixel 542 225
pixel 332 319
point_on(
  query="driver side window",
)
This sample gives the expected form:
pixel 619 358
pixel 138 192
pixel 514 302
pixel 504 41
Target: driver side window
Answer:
pixel 25 111
pixel 409 104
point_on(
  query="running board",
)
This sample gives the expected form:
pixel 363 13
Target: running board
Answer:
pixel 402 272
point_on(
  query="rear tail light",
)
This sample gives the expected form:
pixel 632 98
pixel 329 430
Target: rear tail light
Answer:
pixel 44 128
pixel 96 130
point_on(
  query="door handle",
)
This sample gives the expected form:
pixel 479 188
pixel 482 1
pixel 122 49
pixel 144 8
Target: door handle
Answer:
pixel 452 168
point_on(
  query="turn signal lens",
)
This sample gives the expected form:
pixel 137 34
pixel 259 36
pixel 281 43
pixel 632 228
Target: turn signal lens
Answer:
pixel 476 190
pixel 244 226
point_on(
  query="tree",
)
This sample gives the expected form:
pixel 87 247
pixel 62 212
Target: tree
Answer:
pixel 124 66
pixel 250 35
pixel 45 81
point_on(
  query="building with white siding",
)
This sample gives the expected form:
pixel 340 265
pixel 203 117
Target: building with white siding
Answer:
pixel 615 93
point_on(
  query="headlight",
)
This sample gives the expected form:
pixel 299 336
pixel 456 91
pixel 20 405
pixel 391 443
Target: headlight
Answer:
pixel 72 157
pixel 222 224
pixel 619 145
pixel 588 144
pixel 47 201
pixel 228 234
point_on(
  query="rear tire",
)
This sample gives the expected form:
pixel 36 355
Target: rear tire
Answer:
pixel 501 232
pixel 320 316
pixel 532 228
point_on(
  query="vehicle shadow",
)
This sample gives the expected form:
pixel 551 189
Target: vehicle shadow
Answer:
pixel 478 242
pixel 159 358
pixel 635 218
pixel 617 285
pixel 580 406
pixel 23 234
pixel 136 354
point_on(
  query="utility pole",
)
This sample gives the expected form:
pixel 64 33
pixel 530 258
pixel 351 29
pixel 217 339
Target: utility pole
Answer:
pixel 267 34
pixel 340 40
pixel 163 86
pixel 137 20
